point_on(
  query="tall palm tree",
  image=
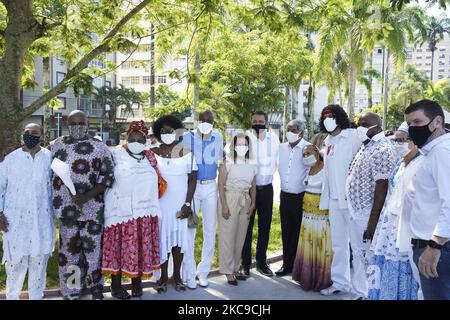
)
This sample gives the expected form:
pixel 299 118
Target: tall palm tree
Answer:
pixel 436 28
pixel 354 28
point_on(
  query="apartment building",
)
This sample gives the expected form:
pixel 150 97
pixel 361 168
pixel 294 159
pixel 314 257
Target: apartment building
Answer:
pixel 48 73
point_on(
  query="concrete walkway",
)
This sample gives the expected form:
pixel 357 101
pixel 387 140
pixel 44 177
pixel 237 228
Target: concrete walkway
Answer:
pixel 257 287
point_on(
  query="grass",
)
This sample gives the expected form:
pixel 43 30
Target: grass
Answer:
pixel 274 246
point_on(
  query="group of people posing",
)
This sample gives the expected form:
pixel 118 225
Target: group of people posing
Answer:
pixel 385 201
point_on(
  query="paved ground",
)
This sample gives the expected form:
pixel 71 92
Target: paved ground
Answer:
pixel 257 287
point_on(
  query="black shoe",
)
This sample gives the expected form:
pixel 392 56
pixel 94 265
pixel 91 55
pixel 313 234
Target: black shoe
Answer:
pixel 245 271
pixel 283 271
pixel 241 277
pixel 265 270
pixel 232 282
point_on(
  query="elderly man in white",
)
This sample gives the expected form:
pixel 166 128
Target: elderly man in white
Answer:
pixel 293 172
pixel 26 215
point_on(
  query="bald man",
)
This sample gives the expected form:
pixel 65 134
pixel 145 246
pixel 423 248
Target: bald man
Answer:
pixel 81 215
pixel 366 190
pixel 26 214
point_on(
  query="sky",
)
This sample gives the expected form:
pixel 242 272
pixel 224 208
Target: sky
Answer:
pixel 434 10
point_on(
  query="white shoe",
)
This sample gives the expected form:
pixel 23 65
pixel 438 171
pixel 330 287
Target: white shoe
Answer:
pixel 331 291
pixel 202 281
pixel 191 284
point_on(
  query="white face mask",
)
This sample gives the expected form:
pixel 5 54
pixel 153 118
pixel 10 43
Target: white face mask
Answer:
pixel 205 127
pixel 292 137
pixel 402 149
pixel 362 133
pixel 309 161
pixel 136 147
pixel 168 138
pixel 241 150
pixel 330 124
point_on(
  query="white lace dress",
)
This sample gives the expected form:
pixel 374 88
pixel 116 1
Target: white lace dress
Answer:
pixel 26 201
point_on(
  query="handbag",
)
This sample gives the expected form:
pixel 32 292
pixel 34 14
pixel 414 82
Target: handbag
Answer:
pixel 193 217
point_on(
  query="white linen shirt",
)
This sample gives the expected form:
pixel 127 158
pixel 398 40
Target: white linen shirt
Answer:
pixel 291 168
pixel 26 201
pixel 265 155
pixel 430 213
pixel 339 154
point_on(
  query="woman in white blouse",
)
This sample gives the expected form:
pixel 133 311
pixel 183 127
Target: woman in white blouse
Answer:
pixel 312 266
pixel 131 235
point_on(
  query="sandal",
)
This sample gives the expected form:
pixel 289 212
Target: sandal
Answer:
pixel 136 292
pixel 161 287
pixel 120 293
pixel 180 287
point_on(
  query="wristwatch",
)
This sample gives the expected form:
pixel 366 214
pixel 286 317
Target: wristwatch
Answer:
pixel 187 204
pixel 434 245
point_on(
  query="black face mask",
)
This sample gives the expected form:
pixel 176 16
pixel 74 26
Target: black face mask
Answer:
pixel 420 135
pixel 30 141
pixel 258 127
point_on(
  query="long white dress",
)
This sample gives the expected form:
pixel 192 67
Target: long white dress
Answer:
pixel 26 201
pixel 174 232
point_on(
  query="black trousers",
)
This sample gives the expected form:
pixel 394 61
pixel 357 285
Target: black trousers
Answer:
pixel 291 212
pixel 263 206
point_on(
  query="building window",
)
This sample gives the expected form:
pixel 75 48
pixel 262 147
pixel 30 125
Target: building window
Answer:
pixel 63 101
pixel 108 84
pixel 60 77
pixel 440 76
pixel 161 79
pixel 419 50
pixel 126 81
pixel 135 64
pixel 419 57
pixel 442 56
pixel 442 49
pixel 146 80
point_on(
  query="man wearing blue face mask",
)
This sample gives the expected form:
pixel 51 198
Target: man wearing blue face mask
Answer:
pixel 430 214
pixel 81 216
pixel 26 215
pixel 366 190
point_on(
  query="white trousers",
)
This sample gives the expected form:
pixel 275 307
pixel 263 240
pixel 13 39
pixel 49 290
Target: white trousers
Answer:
pixel 359 249
pixel 205 199
pixel 15 276
pixel 340 243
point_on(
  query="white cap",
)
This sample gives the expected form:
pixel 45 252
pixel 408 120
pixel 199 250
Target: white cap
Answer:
pixel 98 138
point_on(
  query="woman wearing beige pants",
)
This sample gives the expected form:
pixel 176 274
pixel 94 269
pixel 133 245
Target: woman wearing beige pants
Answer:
pixel 237 191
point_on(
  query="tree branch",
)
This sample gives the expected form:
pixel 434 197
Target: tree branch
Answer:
pixel 83 63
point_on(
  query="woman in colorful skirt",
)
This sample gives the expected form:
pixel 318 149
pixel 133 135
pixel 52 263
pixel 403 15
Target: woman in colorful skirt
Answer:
pixel 312 266
pixel 390 271
pixel 131 235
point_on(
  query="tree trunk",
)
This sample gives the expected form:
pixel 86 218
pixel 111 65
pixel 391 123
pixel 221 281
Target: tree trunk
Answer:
pixel 432 63
pixel 196 86
pixel 152 66
pixel 310 118
pixel 386 89
pixel 352 74
pixel 285 111
pixel 369 89
pixel 19 35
